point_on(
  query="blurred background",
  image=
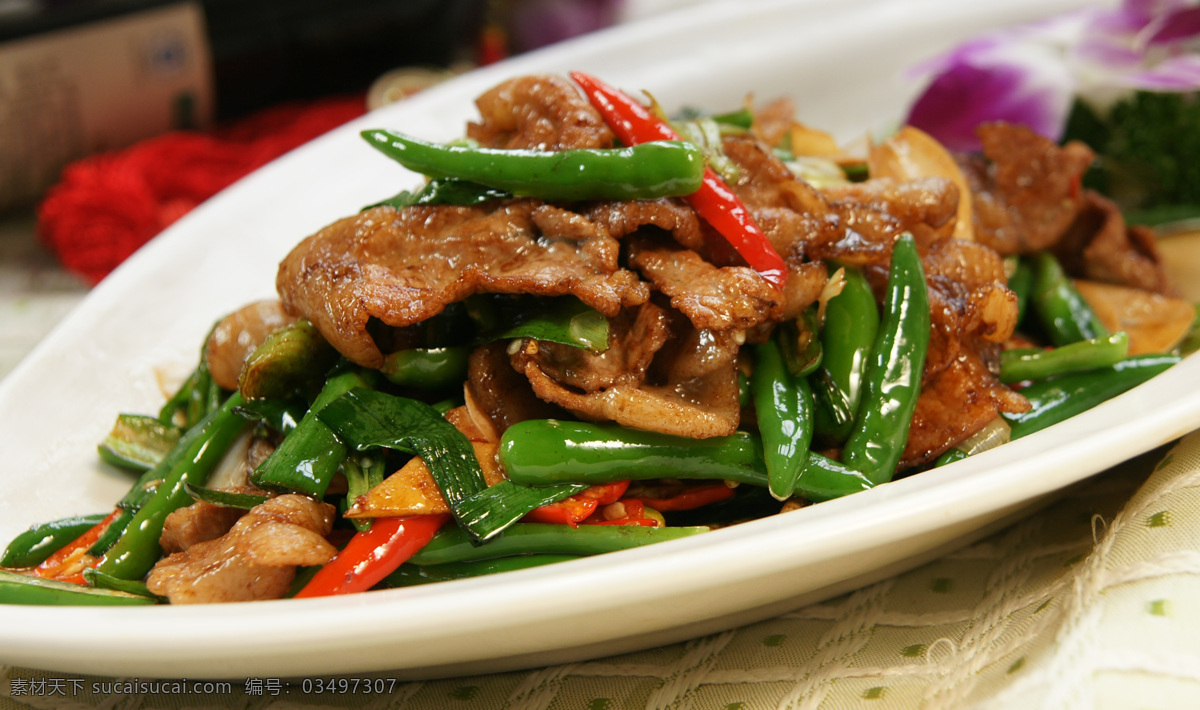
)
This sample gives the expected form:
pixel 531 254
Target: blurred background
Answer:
pixel 119 116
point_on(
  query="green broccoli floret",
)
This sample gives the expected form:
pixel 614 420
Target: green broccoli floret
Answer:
pixel 1148 148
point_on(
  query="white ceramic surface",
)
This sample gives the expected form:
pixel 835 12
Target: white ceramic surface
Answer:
pixel 842 61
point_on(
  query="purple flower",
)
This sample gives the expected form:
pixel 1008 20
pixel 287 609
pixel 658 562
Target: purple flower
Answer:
pixel 537 23
pixel 1032 73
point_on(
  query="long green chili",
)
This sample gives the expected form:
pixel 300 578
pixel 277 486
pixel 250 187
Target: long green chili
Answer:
pixel 646 171
pixel 408 575
pixel 543 452
pixel 137 549
pixel 847 337
pixel 22 589
pixel 1059 398
pixel 33 546
pixel 1064 313
pixel 1021 365
pixel 783 405
pixel 892 380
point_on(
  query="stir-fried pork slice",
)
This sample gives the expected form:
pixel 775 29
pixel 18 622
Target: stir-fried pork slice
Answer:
pixel 196 523
pixel 791 213
pixel 497 395
pixel 972 314
pixel 957 402
pixel 256 559
pixel 1100 246
pixel 971 309
pixel 670 215
pixel 633 341
pixel 690 391
pixel 926 206
pixel 857 225
pixel 237 335
pixel 538 113
pixel 805 283
pixel 730 297
pixel 1025 188
pixel 402 267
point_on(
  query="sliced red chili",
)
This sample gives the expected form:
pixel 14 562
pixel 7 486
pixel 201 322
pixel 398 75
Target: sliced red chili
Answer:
pixel 372 555
pixel 633 123
pixel 579 507
pixel 69 558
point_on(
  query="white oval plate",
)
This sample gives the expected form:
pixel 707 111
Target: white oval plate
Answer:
pixel 842 61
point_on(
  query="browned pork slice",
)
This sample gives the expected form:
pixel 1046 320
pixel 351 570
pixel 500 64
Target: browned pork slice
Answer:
pixel 256 559
pixel 497 395
pixel 1025 188
pixel 730 297
pixel 670 215
pixel 1100 246
pixel 633 341
pixel 402 267
pixel 856 225
pixel 237 335
pixel 196 523
pixel 539 113
pixel 972 314
pixel 957 402
pixel 690 388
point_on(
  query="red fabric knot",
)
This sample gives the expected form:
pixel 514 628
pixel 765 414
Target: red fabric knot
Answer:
pixel 106 206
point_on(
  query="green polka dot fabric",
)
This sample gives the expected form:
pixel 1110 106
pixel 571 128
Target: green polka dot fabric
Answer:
pixel 1091 602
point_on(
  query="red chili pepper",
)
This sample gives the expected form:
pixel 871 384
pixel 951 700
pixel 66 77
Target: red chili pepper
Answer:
pixel 577 508
pixel 714 201
pixel 690 499
pixel 372 555
pixel 68 556
pixel 636 522
pixel 569 511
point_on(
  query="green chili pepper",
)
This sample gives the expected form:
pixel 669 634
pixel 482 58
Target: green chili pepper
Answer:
pixel 138 443
pixel 783 405
pixel 892 381
pixel 647 171
pixel 291 361
pixel 408 575
pixel 147 485
pixel 445 192
pixel 847 337
pixel 427 368
pixel 542 452
pixel 137 549
pixel 1021 365
pixel 1062 397
pixel 565 320
pixel 33 546
pixel 1062 310
pixel 99 580
pixel 21 589
pixel 454 545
